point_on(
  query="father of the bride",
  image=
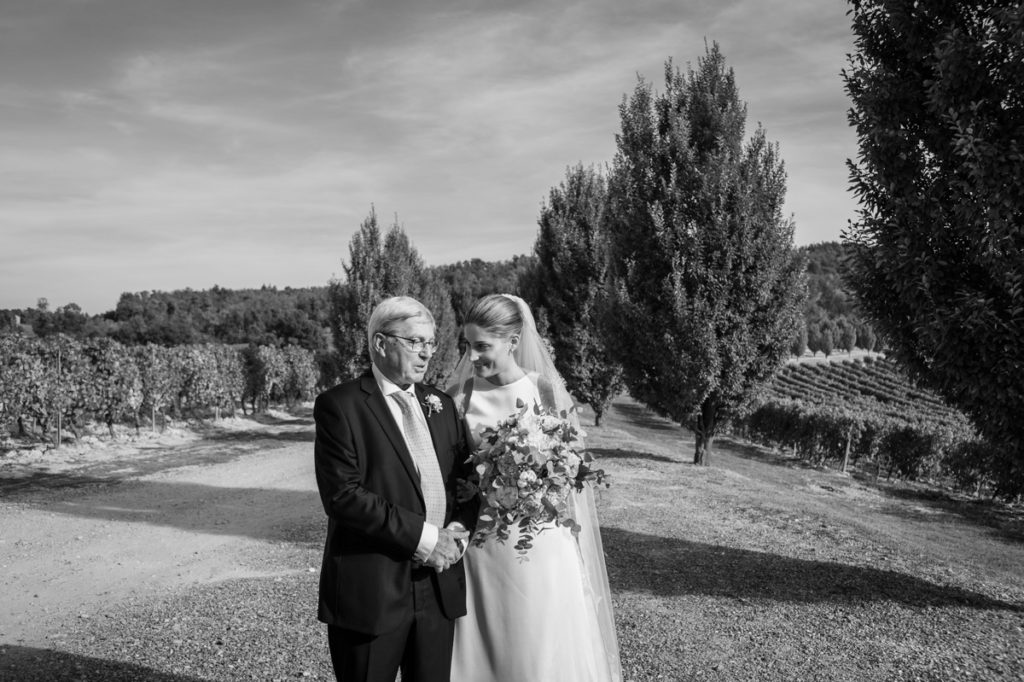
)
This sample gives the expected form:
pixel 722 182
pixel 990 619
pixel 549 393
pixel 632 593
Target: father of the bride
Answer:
pixel 388 451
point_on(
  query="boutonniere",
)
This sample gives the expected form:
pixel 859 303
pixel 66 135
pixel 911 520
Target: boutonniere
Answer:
pixel 433 404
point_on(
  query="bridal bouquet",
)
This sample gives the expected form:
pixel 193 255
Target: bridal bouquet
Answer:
pixel 527 466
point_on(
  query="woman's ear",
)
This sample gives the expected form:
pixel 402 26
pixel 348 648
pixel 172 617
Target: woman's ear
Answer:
pixel 513 342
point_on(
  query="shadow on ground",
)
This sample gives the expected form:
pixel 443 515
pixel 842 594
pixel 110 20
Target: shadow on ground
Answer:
pixel 307 436
pixel 642 416
pixel 198 508
pixel 923 504
pixel 669 566
pixel 26 664
pixel 618 453
pixel 759 453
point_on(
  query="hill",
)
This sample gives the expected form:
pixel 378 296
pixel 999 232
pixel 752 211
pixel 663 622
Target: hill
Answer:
pixel 831 314
pixel 274 316
pixel 264 316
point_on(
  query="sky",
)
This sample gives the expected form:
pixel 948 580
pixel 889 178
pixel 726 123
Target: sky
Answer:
pixel 171 144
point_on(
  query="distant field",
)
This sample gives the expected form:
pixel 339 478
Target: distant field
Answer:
pixel 866 382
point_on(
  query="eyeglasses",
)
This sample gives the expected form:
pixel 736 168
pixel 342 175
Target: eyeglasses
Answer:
pixel 415 345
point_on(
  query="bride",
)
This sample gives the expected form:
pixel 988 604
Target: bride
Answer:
pixel 548 618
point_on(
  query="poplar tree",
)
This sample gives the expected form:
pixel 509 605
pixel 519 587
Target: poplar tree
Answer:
pixel 352 299
pixel 381 266
pixel 568 279
pixel 707 290
pixel 938 246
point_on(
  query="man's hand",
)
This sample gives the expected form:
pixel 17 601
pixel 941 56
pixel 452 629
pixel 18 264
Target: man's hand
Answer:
pixel 449 548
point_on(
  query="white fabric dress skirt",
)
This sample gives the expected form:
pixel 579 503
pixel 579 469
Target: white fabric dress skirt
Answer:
pixel 527 621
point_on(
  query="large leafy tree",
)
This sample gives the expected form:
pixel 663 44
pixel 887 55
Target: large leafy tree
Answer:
pixel 353 298
pixel 938 245
pixel 381 266
pixel 707 291
pixel 568 280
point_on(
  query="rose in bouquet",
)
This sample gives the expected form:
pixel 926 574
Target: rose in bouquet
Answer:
pixel 527 467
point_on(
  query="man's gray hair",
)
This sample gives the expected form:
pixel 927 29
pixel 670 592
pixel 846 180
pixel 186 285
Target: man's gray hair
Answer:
pixel 393 310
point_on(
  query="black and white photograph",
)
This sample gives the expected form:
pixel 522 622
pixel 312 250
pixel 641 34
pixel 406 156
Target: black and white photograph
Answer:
pixel 521 341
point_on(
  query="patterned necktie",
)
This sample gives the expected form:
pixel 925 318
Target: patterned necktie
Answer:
pixel 417 437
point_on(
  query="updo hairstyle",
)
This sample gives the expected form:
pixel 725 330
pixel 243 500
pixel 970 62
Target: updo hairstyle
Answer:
pixel 496 314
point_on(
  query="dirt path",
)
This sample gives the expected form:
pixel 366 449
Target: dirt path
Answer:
pixel 132 522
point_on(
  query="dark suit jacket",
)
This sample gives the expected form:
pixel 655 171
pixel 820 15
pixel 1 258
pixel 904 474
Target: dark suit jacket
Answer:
pixel 369 488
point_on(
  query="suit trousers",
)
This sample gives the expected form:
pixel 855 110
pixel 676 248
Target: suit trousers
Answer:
pixel 420 647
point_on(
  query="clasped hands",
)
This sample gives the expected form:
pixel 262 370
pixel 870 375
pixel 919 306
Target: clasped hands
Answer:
pixel 451 545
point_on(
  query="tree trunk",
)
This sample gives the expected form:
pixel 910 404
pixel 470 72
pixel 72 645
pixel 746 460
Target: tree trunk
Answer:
pixel 598 413
pixel 704 430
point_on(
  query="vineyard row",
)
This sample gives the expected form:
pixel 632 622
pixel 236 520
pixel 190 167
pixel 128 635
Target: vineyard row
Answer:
pixel 60 380
pixel 848 412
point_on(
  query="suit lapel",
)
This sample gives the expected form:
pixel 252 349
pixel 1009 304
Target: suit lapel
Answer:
pixel 376 401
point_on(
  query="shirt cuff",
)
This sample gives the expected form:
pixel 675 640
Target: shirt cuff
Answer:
pixel 428 540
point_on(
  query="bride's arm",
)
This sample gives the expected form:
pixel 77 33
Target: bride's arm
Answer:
pixel 547 393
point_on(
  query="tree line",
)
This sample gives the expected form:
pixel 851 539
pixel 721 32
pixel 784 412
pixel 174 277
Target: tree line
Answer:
pixel 832 319
pixel 301 316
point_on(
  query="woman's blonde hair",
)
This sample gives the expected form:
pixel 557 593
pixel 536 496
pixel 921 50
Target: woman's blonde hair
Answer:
pixel 496 314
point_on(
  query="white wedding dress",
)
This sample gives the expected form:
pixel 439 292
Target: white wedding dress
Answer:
pixel 527 621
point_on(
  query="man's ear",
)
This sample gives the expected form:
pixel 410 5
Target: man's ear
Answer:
pixel 377 347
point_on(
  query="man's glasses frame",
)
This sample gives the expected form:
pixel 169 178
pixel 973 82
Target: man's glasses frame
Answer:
pixel 415 345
